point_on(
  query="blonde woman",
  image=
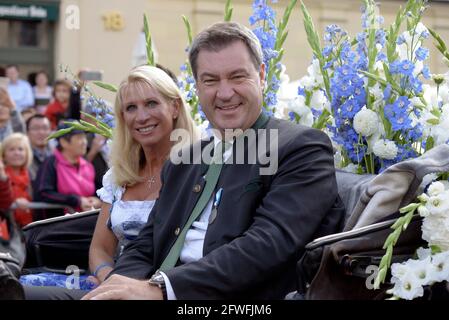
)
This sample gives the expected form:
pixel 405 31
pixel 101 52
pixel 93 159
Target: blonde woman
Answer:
pixel 17 157
pixel 148 107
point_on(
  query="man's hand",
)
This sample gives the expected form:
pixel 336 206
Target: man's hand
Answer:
pixel 119 287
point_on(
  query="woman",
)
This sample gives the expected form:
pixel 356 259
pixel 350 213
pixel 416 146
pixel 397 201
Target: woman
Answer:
pixel 17 157
pixel 66 177
pixel 43 93
pixel 148 107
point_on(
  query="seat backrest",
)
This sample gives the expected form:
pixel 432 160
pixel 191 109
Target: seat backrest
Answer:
pixel 350 187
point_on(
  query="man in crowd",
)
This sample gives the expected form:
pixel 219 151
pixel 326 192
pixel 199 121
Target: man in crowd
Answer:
pixel 38 129
pixel 20 90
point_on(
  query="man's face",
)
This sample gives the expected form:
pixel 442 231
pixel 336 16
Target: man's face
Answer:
pixel 229 87
pixel 62 93
pixel 12 73
pixel 39 129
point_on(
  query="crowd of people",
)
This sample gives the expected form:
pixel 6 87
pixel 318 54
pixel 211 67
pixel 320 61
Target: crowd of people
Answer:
pixel 66 171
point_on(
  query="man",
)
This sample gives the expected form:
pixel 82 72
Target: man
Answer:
pixel 253 229
pixel 20 90
pixel 38 129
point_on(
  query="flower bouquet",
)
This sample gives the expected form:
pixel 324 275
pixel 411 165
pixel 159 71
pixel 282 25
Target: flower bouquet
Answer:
pixel 369 92
pixel 431 264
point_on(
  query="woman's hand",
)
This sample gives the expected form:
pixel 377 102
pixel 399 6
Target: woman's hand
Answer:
pixel 5 100
pixel 3 176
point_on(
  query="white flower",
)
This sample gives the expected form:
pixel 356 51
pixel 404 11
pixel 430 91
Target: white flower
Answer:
pixel 435 188
pixel 420 28
pixel 366 122
pixel 423 211
pixel 439 203
pixel 406 284
pixel 423 253
pixel 298 105
pixel 440 264
pixel 385 149
pixel 319 101
pixel 435 231
pixel 422 270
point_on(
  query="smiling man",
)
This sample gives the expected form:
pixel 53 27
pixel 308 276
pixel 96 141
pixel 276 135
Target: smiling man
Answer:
pixel 226 231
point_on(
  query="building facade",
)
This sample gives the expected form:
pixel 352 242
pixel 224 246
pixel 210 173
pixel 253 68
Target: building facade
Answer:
pixel 104 34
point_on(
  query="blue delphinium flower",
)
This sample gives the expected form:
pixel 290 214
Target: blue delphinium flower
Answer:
pixel 263 20
pixel 422 53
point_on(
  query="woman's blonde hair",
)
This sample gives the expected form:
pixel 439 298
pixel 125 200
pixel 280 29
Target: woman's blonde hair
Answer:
pixel 14 139
pixel 127 156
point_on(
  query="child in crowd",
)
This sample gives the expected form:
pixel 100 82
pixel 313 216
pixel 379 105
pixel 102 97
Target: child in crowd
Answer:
pixel 17 157
pixel 59 107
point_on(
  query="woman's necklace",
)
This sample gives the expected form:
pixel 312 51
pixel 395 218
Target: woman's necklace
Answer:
pixel 151 181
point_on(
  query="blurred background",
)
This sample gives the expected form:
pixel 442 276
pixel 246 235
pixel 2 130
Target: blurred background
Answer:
pixel 106 35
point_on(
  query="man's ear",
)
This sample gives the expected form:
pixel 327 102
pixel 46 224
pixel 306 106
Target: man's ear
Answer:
pixel 262 75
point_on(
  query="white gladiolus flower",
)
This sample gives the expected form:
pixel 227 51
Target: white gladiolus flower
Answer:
pixel 423 253
pixel 406 284
pixel 366 122
pixel 435 231
pixel 438 204
pixel 422 270
pixel 423 211
pixel 440 264
pixel 435 188
pixel 385 149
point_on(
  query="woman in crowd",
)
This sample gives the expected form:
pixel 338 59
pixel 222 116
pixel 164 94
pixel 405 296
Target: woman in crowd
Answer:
pixel 43 93
pixel 59 108
pixel 148 107
pixel 66 177
pixel 17 157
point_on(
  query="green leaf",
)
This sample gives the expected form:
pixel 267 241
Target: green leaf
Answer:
pixel 228 11
pixel 146 28
pixel 59 133
pixel 107 86
pixel 430 143
pixel 188 29
pixel 433 121
pixel 435 249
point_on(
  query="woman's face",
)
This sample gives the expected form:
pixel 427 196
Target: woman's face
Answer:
pixel 62 93
pixel 147 114
pixel 15 155
pixel 41 79
pixel 75 146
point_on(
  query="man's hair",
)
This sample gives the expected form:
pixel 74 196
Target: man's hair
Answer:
pixel 12 66
pixel 127 155
pixel 222 34
pixel 36 116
